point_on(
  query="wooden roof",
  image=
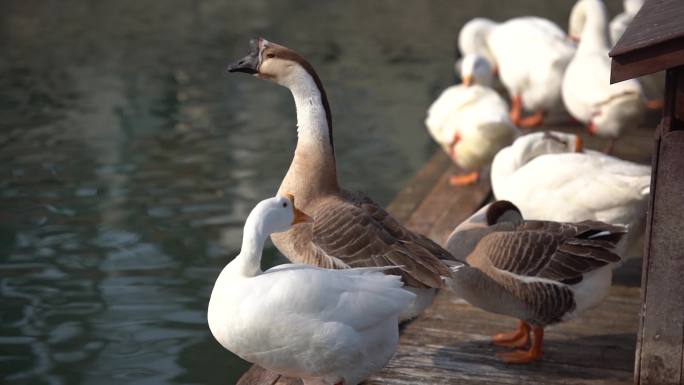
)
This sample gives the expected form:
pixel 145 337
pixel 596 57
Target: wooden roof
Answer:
pixel 654 41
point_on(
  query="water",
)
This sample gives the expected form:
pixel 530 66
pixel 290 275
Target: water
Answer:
pixel 129 160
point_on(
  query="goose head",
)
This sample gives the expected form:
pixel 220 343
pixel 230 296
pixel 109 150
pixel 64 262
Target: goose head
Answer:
pixel 275 215
pixel 528 147
pixel 536 144
pixel 467 235
pixel 270 61
pixel 279 64
pixel 577 20
pixel 472 39
pixel 589 22
pixel 476 69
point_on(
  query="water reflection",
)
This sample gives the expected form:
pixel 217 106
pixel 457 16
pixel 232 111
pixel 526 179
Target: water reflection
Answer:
pixel 129 161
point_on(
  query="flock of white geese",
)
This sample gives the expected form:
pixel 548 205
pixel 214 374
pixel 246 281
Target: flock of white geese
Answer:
pixel 331 316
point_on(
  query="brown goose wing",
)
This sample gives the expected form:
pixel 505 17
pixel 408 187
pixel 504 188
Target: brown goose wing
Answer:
pixel 558 251
pixel 358 232
pixel 400 232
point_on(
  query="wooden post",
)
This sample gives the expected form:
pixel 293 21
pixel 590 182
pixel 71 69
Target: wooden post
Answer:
pixel 659 354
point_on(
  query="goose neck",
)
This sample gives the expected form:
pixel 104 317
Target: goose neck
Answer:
pixel 313 169
pixel 248 262
pixel 595 31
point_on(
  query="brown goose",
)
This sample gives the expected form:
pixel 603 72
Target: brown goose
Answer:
pixel 540 272
pixel 350 230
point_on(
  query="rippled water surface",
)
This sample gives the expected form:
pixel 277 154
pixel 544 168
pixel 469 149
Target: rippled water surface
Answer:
pixel 129 160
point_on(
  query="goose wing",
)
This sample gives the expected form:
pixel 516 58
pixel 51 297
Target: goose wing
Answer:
pixel 442 116
pixel 587 81
pixel 585 186
pixel 304 318
pixel 359 298
pixel 354 231
pixel 555 251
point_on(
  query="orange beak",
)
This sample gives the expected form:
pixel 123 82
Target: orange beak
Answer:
pixel 591 127
pixel 579 144
pixel 467 80
pixel 299 215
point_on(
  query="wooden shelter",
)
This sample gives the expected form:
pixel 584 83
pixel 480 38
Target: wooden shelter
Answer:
pixel 654 41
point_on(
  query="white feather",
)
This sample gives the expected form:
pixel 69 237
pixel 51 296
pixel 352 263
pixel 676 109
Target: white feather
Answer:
pixel 548 182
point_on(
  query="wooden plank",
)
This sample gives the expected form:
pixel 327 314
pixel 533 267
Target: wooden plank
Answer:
pixel 660 353
pixel 662 330
pixel 445 204
pixel 256 375
pixel 406 201
pixel 678 100
pixel 635 146
pixel 647 60
pixel 652 42
pixel 460 204
pixel 450 344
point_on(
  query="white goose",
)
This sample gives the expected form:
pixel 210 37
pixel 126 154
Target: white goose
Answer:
pixel 324 326
pixel 607 109
pixel 550 177
pixel 470 120
pixel 530 55
pixel 653 84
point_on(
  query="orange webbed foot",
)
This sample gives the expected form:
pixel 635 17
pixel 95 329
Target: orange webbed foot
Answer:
pixel 516 110
pixel 518 357
pixel 519 338
pixel 655 104
pixel 533 120
pixel 520 343
pixel 526 356
pixel 465 179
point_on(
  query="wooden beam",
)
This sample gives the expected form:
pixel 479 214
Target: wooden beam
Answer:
pixel 647 60
pixel 678 100
pixel 256 375
pixel 652 42
pixel 660 353
pixel 656 22
pixel 413 194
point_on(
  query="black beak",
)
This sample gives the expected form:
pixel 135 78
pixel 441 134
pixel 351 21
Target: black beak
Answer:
pixel 250 63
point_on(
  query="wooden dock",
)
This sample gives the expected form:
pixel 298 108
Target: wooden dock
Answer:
pixel 450 342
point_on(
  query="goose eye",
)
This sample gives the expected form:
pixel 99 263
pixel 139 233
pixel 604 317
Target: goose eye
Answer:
pixel 270 55
pixel 284 204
